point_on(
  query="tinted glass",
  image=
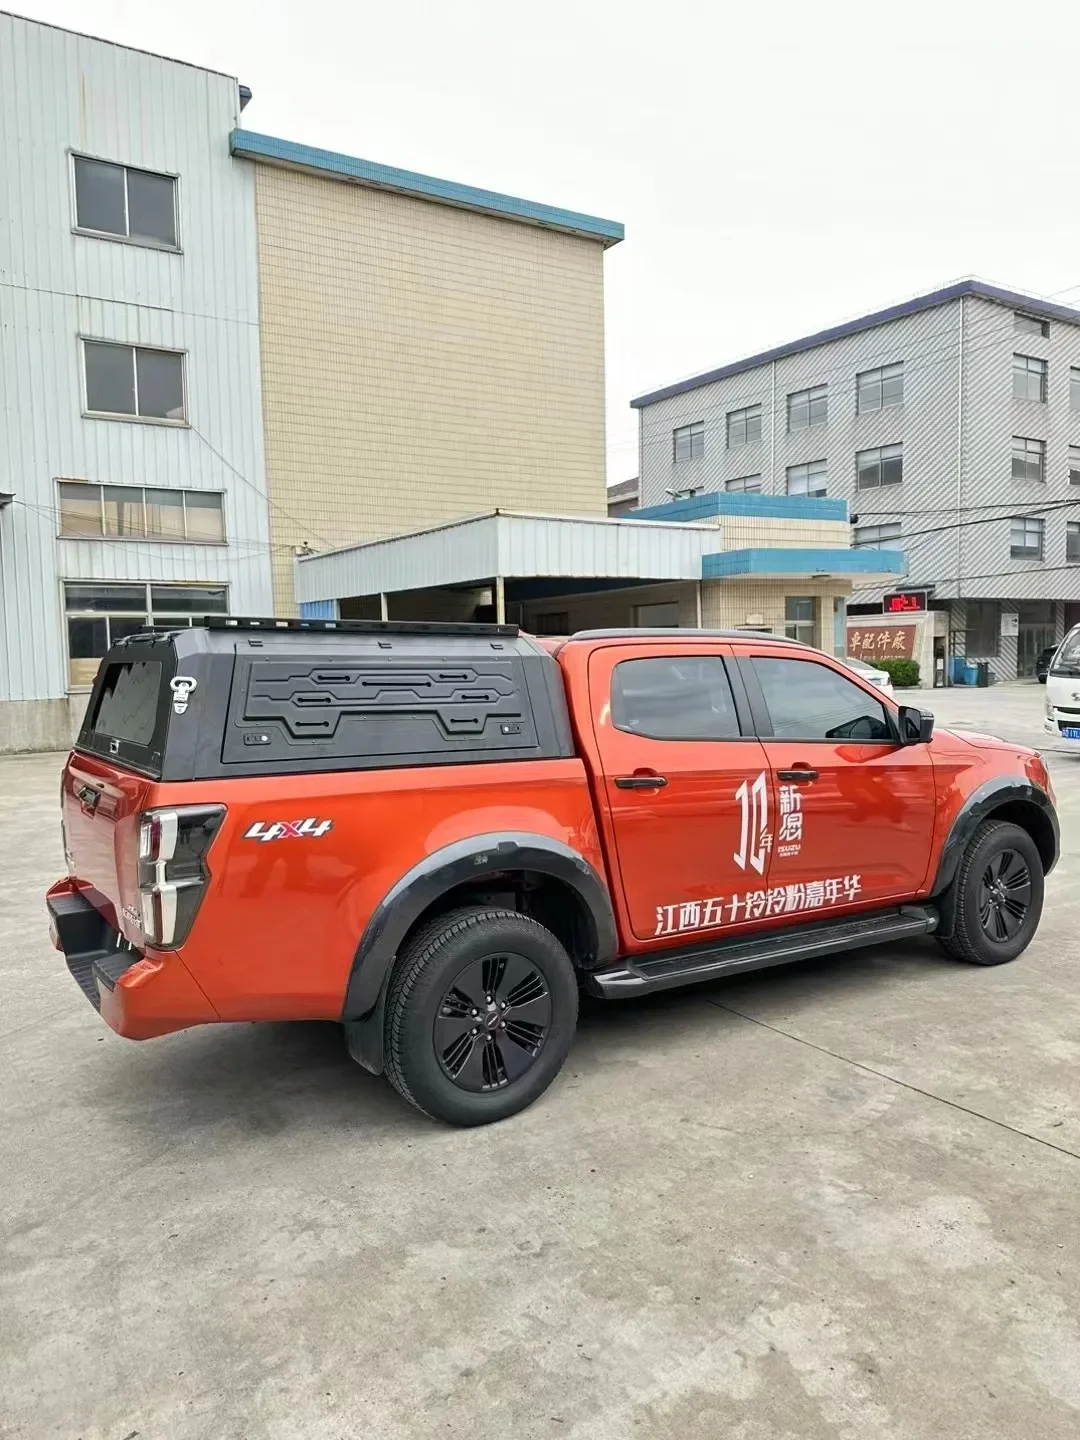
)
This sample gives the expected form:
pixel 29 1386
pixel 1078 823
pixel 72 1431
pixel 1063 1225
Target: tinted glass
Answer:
pixel 161 384
pixel 188 600
pixel 1067 659
pixel 808 701
pixel 892 466
pixel 87 639
pixel 99 196
pixel 674 698
pixel 127 704
pixel 80 510
pixel 110 378
pixel 892 386
pixel 165 514
pixel 151 207
pixel 124 511
pixel 121 599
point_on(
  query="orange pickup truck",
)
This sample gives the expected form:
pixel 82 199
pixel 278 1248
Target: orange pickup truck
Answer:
pixel 439 834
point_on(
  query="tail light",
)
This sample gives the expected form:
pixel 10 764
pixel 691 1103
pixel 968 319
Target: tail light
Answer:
pixel 172 868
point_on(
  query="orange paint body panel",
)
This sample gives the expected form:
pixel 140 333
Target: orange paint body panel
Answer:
pixel 280 922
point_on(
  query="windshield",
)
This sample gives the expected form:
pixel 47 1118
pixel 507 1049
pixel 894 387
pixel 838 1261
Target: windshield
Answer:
pixel 1067 659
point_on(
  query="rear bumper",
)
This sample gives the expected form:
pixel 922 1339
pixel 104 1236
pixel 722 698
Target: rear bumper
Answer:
pixel 138 996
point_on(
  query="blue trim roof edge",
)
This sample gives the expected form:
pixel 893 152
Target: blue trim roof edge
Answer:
pixel 250 145
pixel 780 561
pixel 768 507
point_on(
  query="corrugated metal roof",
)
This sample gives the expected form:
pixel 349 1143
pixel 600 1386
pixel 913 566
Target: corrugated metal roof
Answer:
pixel 1030 304
pixel 476 550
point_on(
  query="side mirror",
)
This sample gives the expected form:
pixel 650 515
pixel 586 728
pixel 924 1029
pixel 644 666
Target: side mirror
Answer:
pixel 916 726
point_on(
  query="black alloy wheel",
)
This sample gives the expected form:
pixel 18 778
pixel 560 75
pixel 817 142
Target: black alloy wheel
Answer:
pixel 492 1023
pixel 993 908
pixel 1004 896
pixel 480 1015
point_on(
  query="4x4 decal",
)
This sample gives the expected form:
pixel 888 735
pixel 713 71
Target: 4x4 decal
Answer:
pixel 288 829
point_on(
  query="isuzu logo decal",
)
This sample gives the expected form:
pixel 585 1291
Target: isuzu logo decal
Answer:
pixel 181 687
pixel 288 830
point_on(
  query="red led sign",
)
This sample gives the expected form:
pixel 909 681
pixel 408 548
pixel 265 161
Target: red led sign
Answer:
pixel 904 602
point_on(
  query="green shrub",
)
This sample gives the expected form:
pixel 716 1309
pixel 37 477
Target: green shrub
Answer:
pixel 902 672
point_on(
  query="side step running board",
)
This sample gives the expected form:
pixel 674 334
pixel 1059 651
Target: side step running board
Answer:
pixel 756 952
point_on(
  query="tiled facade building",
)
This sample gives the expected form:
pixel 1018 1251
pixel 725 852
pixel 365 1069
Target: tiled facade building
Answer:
pixel 949 424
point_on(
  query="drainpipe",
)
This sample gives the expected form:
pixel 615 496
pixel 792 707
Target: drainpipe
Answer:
pixel 772 427
pixel 698 599
pixel 500 601
pixel 960 456
pixel 384 609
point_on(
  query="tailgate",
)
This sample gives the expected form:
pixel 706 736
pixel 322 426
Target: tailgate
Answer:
pixel 100 807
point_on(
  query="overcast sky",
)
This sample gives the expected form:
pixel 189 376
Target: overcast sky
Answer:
pixel 778 167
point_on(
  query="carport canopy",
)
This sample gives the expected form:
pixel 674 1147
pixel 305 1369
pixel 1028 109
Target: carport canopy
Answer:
pixel 563 554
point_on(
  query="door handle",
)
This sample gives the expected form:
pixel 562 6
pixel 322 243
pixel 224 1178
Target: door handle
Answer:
pixel 802 776
pixel 640 782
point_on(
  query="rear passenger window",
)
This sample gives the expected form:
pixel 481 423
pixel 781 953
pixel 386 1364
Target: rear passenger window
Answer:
pixel 127 704
pixel 808 701
pixel 674 697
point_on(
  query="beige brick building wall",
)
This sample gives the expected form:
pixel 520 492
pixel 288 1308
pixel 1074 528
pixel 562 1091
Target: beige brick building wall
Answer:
pixel 420 363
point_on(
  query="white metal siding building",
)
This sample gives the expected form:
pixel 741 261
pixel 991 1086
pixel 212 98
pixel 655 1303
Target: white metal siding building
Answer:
pixel 173 294
pixel 969 380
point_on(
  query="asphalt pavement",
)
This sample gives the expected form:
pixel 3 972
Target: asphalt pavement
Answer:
pixel 838 1200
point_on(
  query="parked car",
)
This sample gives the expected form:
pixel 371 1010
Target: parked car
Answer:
pixel 880 678
pixel 1042 663
pixel 438 834
pixel 1063 691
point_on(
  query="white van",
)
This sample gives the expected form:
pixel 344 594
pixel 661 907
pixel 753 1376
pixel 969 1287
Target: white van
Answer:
pixel 1063 690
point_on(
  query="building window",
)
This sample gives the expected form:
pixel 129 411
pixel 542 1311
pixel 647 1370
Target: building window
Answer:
pixel 1026 537
pixel 883 466
pixel 127 204
pixel 982 635
pixel 1029 325
pixel 1028 458
pixel 100 615
pixel 689 441
pixel 1074 389
pixel 807 407
pixel 744 484
pixel 808 479
pixel 743 426
pixel 799 623
pixel 877 534
pixel 1029 378
pixel 1074 464
pixel 128 380
pixel 141 512
pixel 1072 541
pixel 878 389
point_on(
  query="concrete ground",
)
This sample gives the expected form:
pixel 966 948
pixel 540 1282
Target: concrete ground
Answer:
pixel 834 1201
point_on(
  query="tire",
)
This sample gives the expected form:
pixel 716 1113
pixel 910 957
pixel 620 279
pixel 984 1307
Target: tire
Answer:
pixel 466 1074
pixel 1000 874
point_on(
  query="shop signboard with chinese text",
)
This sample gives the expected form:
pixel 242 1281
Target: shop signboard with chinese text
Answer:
pixel 881 642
